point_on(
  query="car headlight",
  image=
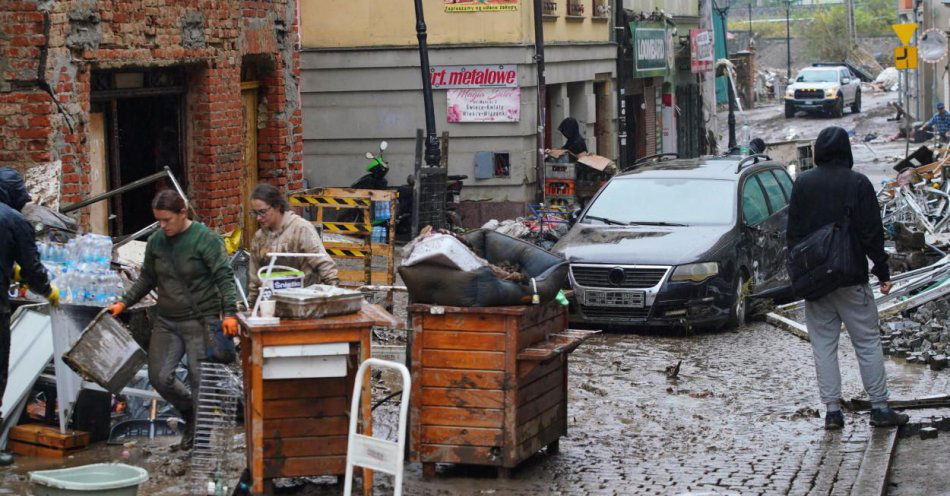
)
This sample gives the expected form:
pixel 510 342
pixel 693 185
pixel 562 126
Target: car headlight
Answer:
pixel 697 272
pixel 790 93
pixel 831 92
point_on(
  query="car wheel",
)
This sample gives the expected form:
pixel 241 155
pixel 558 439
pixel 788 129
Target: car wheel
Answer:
pixel 856 106
pixel 738 310
pixel 789 111
pixel 838 110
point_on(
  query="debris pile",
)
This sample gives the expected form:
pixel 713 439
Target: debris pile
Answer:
pixel 915 209
pixel 922 337
pixel 887 80
pixel 543 230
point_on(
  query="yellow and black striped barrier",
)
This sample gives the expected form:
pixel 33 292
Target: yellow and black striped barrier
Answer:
pixel 347 253
pixel 328 201
pixel 347 227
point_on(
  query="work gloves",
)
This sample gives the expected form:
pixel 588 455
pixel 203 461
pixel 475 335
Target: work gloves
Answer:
pixel 52 297
pixel 230 326
pixel 116 308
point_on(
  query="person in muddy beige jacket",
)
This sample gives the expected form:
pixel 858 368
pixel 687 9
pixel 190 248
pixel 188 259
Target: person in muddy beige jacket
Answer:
pixel 281 230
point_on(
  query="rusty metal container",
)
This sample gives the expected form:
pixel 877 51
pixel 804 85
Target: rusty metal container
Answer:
pixel 316 302
pixel 106 354
pixel 489 384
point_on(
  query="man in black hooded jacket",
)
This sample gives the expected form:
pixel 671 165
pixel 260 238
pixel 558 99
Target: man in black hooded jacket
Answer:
pixel 575 143
pixel 17 246
pixel 820 196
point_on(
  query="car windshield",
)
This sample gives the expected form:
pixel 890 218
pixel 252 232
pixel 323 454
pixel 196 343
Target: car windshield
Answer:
pixel 817 77
pixel 672 201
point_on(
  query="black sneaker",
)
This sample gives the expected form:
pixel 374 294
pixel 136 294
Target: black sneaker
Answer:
pixel 834 421
pixel 5 459
pixel 887 417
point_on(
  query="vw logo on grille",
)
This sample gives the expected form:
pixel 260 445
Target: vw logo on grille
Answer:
pixel 615 276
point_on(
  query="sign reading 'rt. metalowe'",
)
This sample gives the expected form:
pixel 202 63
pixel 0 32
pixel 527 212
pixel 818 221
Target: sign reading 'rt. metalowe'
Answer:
pixel 474 76
pixel 651 53
pixel 480 5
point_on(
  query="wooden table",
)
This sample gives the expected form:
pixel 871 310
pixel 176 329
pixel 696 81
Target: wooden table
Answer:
pixel 489 385
pixel 298 427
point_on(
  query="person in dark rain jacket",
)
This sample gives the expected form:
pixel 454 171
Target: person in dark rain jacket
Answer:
pixel 820 197
pixel 571 130
pixel 18 256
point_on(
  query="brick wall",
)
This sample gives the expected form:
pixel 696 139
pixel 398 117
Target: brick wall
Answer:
pixel 49 49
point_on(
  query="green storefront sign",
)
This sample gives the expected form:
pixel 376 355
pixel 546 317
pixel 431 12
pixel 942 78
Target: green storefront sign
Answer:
pixel 650 49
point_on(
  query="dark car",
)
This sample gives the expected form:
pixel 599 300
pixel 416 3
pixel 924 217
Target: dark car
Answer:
pixel 680 242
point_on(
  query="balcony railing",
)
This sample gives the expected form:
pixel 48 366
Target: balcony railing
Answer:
pixel 601 9
pixel 549 8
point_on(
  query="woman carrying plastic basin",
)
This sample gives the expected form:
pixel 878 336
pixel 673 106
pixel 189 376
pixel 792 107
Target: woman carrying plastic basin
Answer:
pixel 283 231
pixel 186 264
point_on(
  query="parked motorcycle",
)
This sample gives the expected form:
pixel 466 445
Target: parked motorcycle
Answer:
pixel 376 169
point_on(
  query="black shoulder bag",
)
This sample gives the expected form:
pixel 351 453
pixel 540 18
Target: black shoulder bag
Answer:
pixel 825 259
pixel 218 347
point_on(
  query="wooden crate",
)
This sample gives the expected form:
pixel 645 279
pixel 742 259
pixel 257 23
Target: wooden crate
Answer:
pixel 489 385
pixel 45 441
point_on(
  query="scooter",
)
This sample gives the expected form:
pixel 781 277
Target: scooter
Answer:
pixel 377 169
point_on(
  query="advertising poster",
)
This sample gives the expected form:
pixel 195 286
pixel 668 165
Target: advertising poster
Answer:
pixel 484 105
pixel 701 53
pixel 480 5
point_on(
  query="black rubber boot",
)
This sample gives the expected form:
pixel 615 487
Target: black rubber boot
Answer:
pixel 887 417
pixel 188 434
pixel 834 420
pixel 5 459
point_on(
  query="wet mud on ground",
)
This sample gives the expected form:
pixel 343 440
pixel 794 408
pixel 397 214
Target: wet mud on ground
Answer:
pixel 741 416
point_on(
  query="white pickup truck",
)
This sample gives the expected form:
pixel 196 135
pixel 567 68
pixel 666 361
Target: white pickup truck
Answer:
pixel 824 89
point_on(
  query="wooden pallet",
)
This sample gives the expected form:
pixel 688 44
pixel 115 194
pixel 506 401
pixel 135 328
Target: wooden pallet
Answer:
pixel 45 441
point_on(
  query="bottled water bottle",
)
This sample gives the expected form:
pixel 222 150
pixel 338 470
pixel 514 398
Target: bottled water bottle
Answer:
pixel 379 235
pixel 381 210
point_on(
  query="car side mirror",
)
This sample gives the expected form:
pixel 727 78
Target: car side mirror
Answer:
pixel 845 81
pixel 370 156
pixel 575 214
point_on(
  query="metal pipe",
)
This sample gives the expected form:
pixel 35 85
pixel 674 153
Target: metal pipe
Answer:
pixel 542 96
pixel 432 153
pixel 121 189
pixel 149 229
pixel 180 191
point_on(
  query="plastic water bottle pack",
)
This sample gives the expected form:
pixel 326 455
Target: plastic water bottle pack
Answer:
pixel 82 270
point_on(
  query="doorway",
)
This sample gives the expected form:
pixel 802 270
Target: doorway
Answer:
pixel 602 121
pixel 636 128
pixel 142 117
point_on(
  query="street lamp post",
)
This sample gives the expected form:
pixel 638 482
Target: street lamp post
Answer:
pixel 788 40
pixel 432 151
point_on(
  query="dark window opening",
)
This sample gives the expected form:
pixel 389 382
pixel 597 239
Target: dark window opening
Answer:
pixel 502 165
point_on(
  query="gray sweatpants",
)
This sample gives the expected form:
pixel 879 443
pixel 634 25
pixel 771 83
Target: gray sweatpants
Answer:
pixel 853 305
pixel 172 339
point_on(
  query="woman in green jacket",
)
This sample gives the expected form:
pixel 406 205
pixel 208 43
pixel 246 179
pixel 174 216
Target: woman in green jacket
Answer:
pixel 186 264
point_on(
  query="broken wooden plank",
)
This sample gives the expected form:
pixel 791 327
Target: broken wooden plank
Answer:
pixel 788 325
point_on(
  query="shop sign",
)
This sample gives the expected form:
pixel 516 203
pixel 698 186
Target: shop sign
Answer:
pixel 651 49
pixel 701 54
pixel 484 105
pixel 474 76
pixel 480 5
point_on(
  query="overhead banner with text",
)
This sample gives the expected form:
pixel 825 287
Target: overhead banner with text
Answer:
pixel 480 5
pixel 484 105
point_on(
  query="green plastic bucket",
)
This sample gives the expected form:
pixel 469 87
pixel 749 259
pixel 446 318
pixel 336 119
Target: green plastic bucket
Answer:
pixel 99 479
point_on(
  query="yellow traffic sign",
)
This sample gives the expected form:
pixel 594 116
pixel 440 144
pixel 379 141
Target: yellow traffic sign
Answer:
pixel 904 32
pixel 905 58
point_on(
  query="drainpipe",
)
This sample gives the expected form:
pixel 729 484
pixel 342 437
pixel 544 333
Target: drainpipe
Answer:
pixel 542 96
pixel 620 39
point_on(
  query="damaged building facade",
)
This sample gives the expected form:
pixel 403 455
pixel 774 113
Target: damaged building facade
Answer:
pixel 97 94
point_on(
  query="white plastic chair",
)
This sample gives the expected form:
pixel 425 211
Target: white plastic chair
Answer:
pixel 371 452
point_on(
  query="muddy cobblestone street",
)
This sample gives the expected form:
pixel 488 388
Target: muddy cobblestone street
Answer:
pixel 740 417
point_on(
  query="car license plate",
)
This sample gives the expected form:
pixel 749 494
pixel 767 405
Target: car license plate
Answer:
pixel 634 299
